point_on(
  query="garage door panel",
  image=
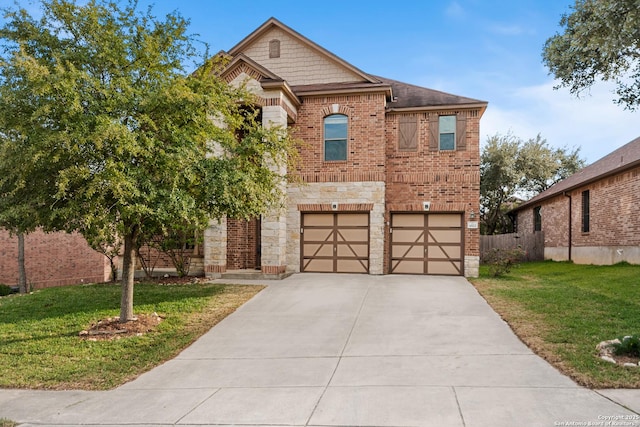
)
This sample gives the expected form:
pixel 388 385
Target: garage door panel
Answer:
pixel 317 235
pixel 408 220
pixel 407 267
pixel 352 266
pixel 316 249
pixel 409 251
pixel 317 220
pixel 444 236
pixel 353 235
pixel 360 220
pixel 426 243
pixel 444 267
pixel 444 220
pixel 353 250
pixel 445 252
pixel 407 236
pixel 318 265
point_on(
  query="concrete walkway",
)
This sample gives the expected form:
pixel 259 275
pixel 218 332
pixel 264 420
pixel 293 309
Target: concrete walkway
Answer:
pixel 345 350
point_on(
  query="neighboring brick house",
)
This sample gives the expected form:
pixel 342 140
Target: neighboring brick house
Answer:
pixel 592 216
pixel 390 171
pixel 52 259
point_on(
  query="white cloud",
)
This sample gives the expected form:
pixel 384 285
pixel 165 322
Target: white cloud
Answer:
pixel 593 123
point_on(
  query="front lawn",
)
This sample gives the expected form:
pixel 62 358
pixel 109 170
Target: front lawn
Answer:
pixel 40 346
pixel 563 310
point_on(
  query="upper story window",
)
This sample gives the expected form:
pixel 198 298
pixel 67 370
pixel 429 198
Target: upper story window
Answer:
pixel 447 131
pixel 585 211
pixel 335 137
pixel 274 48
pixel 537 219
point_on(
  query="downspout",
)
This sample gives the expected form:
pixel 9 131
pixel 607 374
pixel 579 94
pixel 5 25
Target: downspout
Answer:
pixel 568 194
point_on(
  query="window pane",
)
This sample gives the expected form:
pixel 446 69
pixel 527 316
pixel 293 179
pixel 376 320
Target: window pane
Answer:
pixel 447 141
pixel 335 131
pixel 537 219
pixel 447 124
pixel 335 149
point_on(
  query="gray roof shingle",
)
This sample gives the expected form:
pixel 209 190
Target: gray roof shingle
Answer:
pixel 411 96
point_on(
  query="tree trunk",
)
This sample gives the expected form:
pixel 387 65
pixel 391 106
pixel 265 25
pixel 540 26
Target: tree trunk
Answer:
pixel 22 272
pixel 128 270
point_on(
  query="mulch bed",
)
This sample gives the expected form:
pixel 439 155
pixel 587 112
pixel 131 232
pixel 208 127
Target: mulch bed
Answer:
pixel 111 328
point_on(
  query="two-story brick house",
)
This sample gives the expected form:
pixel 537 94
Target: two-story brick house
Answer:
pixel 389 172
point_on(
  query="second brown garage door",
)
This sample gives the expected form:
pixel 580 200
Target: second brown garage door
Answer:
pixel 335 242
pixel 423 243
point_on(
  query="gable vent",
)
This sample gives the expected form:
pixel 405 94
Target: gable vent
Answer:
pixel 274 48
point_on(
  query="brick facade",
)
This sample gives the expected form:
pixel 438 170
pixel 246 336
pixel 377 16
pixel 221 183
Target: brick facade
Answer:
pixel 243 240
pixel 365 145
pixel 614 232
pixel 52 259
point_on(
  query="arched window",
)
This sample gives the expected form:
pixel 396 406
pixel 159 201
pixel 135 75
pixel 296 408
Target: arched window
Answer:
pixel 335 137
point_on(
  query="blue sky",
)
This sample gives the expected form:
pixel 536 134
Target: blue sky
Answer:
pixel 483 49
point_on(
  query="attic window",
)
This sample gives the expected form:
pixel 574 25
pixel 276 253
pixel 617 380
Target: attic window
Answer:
pixel 274 48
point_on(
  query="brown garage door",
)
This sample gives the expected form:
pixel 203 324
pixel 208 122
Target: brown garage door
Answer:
pixel 426 243
pixel 335 242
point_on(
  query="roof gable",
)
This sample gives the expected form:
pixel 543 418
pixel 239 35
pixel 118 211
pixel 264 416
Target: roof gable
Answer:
pixel 301 61
pixel 242 64
pixel 623 158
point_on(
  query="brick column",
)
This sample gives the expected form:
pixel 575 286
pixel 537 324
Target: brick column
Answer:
pixel 274 224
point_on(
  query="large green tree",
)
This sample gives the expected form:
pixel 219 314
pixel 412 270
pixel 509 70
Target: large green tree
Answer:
pixel 601 41
pixel 512 168
pixel 25 184
pixel 121 134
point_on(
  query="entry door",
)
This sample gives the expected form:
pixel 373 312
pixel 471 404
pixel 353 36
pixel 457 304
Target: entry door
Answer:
pixel 336 242
pixel 427 243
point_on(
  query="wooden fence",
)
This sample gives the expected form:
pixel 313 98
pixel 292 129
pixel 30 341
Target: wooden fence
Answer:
pixel 532 244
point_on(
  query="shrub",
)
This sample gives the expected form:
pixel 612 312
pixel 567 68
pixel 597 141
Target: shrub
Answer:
pixel 500 261
pixel 629 346
pixel 4 290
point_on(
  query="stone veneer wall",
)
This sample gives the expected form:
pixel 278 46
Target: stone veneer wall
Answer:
pixel 215 248
pixel 345 193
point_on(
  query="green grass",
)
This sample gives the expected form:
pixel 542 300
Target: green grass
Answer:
pixel 40 347
pixel 563 310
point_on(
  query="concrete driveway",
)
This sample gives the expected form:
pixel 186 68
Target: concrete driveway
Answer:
pixel 343 350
